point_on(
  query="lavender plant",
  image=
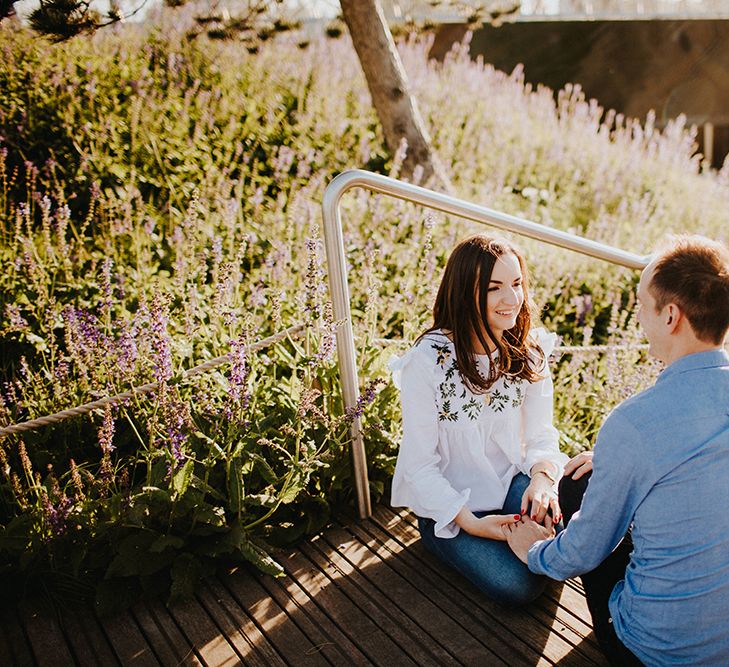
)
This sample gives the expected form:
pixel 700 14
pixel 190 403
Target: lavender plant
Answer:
pixel 159 207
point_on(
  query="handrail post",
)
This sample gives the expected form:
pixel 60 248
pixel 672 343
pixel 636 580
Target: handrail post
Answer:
pixel 339 286
pixel 339 290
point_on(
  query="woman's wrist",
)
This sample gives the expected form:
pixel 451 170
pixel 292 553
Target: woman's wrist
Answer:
pixel 546 470
pixel 547 475
pixel 465 519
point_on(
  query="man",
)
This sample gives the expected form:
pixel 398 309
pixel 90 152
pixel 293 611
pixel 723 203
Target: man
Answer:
pixel 660 477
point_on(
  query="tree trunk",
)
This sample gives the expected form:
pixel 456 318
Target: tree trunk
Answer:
pixel 395 106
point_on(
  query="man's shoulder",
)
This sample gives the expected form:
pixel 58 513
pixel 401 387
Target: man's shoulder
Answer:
pixel 638 404
pixel 634 414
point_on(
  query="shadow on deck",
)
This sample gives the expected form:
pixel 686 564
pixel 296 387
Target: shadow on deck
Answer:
pixel 362 593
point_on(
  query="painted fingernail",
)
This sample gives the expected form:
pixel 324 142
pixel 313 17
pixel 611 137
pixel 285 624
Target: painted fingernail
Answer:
pixel 534 517
pixel 517 517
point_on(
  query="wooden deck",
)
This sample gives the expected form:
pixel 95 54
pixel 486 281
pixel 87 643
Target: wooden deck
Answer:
pixel 362 593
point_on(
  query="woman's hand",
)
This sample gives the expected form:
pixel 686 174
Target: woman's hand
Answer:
pixel 580 465
pixel 541 496
pixel 490 527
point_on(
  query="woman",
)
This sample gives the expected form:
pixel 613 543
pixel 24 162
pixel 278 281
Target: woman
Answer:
pixel 479 448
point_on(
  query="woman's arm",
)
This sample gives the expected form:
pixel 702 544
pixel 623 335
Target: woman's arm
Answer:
pixel 543 461
pixel 419 482
pixel 490 526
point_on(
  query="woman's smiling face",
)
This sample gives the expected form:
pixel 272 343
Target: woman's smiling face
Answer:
pixel 505 296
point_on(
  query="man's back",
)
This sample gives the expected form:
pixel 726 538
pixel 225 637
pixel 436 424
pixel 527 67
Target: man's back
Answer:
pixel 671 607
pixel 661 464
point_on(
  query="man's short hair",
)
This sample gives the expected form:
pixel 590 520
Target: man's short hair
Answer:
pixel 693 272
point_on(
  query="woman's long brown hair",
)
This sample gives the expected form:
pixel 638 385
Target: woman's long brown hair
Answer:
pixel 460 308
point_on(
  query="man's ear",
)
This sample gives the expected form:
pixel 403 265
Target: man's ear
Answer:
pixel 673 316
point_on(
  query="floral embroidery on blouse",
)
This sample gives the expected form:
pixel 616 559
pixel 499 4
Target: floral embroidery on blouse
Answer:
pixel 473 408
pixel 507 393
pixel 519 394
pixel 444 353
pixel 446 414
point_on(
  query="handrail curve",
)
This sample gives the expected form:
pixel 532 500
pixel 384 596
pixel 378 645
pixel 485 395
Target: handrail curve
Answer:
pixel 339 285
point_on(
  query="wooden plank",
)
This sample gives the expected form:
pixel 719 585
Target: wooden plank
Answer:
pixel 253 648
pixel 410 641
pixel 6 653
pixel 402 527
pixel 362 593
pixel 573 628
pixel 315 623
pixel 45 636
pixel 557 609
pixel 332 593
pixel 166 651
pixel 210 645
pixel 447 621
pixel 474 611
pixel 545 610
pixel 14 646
pixel 86 638
pixel 169 628
pixel 280 630
pixel 127 640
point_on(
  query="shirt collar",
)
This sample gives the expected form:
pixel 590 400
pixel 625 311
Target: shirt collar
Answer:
pixel 691 362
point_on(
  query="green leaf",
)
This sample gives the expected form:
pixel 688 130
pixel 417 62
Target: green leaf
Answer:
pixel 186 573
pixel 182 477
pixel 317 512
pixel 295 389
pixel 134 557
pixel 265 469
pixel 236 489
pixel 256 555
pixel 201 485
pixel 210 517
pixel 262 499
pixel 290 492
pixel 16 537
pixel 214 445
pixel 165 541
pixel 286 533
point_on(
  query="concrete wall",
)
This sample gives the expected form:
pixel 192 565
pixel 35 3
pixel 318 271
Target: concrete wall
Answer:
pixel 671 66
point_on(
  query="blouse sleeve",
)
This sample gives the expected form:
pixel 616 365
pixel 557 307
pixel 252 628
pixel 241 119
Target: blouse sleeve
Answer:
pixel 419 482
pixel 540 438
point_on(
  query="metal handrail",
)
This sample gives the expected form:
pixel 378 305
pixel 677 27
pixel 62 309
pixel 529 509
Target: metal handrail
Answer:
pixel 339 286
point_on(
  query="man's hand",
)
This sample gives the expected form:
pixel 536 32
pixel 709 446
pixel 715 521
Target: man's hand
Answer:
pixel 523 534
pixel 580 464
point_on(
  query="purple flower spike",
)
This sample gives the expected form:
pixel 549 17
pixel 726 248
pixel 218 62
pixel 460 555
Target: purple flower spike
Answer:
pixel 159 318
pixel 238 395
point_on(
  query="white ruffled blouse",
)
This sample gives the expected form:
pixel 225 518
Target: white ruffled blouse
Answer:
pixel 461 448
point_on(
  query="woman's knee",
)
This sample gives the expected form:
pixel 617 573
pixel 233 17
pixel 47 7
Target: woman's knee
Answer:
pixel 506 580
pixel 489 565
pixel 517 592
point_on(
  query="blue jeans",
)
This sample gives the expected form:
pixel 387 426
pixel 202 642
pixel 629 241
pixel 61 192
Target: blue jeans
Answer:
pixel 489 564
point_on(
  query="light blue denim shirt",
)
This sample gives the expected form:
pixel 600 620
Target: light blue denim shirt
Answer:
pixel 661 464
